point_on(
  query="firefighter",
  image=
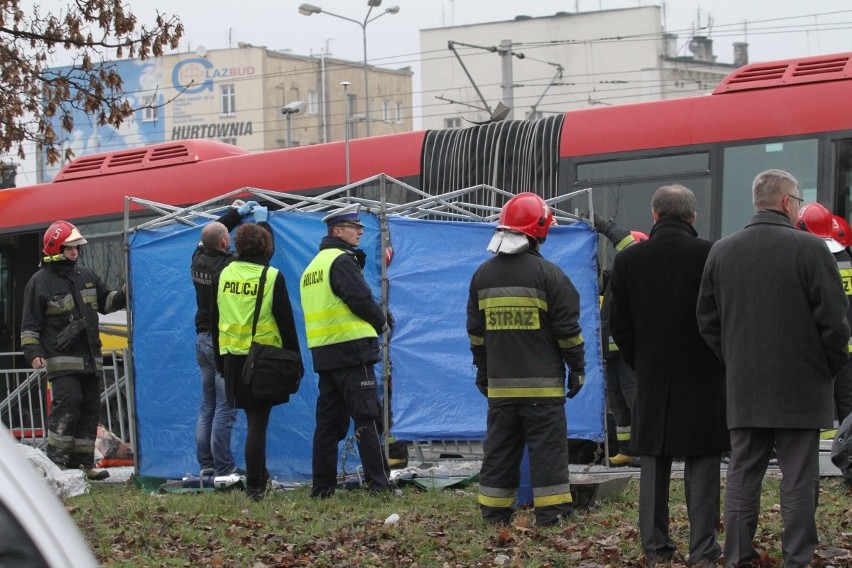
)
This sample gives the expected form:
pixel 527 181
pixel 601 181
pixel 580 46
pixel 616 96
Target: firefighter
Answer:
pixel 59 333
pixel 522 321
pixel 816 219
pixel 342 323
pixel 620 380
pixel 841 231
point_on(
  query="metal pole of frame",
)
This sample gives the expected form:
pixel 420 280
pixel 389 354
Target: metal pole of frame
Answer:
pixel 387 375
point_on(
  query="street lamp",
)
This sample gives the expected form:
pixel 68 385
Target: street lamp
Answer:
pixel 345 85
pixel 288 110
pixel 310 9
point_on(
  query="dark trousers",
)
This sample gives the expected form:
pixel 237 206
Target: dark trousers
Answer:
pixel 344 394
pixel 702 489
pixel 797 451
pixel 620 385
pixel 257 421
pixel 544 429
pixel 72 426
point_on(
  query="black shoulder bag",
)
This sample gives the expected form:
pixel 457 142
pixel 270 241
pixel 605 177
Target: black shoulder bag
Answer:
pixel 274 373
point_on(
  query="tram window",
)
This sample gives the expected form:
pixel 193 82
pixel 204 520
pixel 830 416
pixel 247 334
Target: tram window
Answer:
pixel 632 168
pixel 843 179
pixel 741 165
pixel 629 204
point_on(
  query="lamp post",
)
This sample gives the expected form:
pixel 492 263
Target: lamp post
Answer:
pixel 289 110
pixel 346 129
pixel 310 9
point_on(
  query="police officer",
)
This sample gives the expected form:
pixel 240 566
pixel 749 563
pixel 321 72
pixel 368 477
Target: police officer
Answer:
pixel 342 321
pixel 522 320
pixel 232 315
pixel 59 333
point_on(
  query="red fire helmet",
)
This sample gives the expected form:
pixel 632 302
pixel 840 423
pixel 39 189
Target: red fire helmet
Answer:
pixel 61 233
pixel 841 231
pixel 527 213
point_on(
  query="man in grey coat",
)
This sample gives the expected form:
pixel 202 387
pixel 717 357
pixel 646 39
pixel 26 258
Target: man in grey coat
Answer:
pixel 772 307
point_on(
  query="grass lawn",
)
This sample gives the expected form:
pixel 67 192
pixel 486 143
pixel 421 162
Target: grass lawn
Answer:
pixel 126 526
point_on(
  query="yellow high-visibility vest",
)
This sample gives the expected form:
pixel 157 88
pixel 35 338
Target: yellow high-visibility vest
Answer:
pixel 328 320
pixel 236 297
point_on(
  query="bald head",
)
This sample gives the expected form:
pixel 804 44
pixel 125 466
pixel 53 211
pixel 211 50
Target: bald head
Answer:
pixel 674 201
pixel 215 235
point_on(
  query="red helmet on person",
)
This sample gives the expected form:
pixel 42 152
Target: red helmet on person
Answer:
pixel 816 219
pixel 841 231
pixel 59 234
pixel 639 236
pixel 527 213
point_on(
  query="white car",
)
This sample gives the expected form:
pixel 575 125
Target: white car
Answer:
pixel 35 529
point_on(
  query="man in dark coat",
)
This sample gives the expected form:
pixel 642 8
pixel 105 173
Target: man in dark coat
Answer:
pixel 772 307
pixel 680 407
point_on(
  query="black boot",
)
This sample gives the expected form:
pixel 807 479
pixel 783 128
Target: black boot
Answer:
pixel 256 488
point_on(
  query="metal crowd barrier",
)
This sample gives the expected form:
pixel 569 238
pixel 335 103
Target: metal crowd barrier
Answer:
pixel 25 400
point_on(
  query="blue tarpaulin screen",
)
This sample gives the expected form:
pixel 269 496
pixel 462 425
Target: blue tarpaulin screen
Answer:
pixel 433 397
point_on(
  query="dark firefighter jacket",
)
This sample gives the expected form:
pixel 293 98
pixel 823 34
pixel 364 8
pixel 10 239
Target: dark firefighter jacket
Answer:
pixel 680 402
pixel 620 238
pixel 348 283
pixel 206 263
pixel 59 293
pixel 523 323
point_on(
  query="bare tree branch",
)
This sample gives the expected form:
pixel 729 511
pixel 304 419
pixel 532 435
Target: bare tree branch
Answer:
pixel 88 32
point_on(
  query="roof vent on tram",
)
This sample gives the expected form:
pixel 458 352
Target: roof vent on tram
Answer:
pixel 155 156
pixel 836 67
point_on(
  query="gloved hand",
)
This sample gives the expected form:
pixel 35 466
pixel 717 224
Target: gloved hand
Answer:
pixel 391 321
pixel 261 214
pixel 575 383
pixel 70 334
pixel 247 207
pixel 482 382
pixel 598 222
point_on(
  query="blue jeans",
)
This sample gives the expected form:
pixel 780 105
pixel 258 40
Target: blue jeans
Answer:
pixel 215 418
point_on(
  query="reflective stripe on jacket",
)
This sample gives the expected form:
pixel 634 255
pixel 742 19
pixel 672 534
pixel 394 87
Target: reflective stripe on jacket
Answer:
pixel 328 320
pixel 523 325
pixel 236 297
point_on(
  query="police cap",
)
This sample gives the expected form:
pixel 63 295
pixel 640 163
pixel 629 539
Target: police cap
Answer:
pixel 347 214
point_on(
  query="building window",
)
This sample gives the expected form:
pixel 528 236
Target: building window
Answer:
pixel 313 102
pixel 454 122
pixel 231 141
pixel 229 99
pixel 399 112
pixel 150 111
pixel 386 111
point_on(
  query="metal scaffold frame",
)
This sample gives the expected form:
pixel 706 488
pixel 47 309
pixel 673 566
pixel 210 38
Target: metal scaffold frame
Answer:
pixel 458 205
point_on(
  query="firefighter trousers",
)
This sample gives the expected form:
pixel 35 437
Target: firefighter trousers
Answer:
pixel 544 429
pixel 72 425
pixel 348 393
